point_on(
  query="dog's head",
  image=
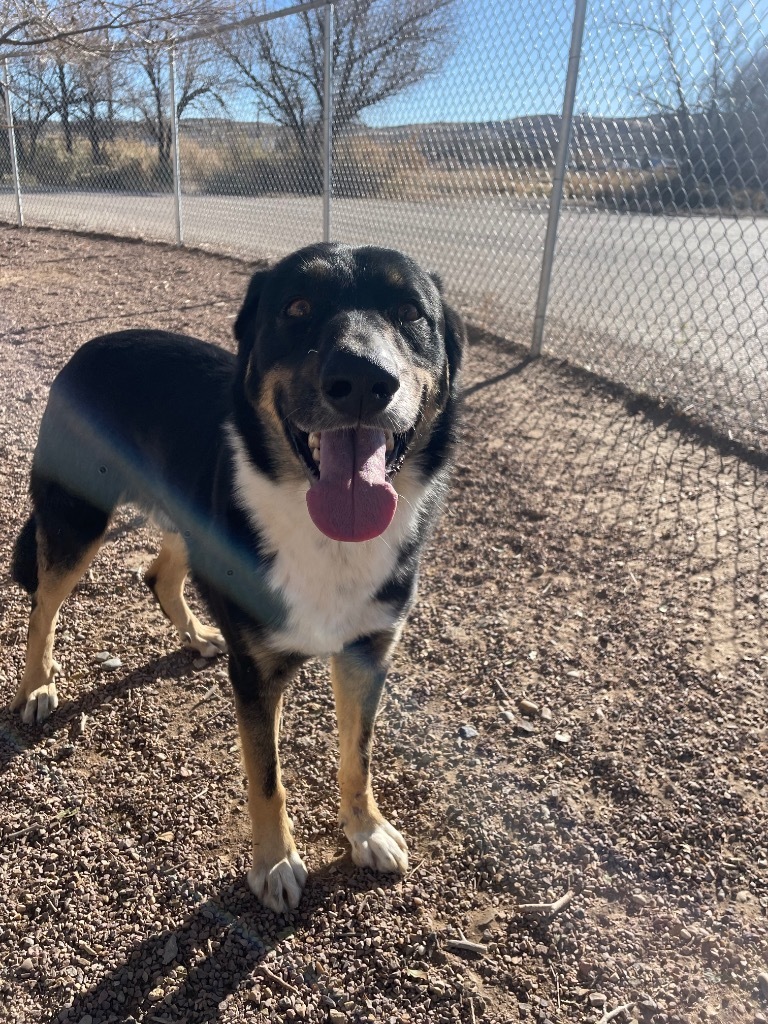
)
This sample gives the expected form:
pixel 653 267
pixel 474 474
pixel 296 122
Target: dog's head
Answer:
pixel 347 367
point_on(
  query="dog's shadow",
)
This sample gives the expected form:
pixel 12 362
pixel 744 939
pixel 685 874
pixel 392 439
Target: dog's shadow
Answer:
pixel 226 943
pixel 15 737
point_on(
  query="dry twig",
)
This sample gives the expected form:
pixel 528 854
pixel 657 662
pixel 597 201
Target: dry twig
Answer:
pixel 548 908
pixel 610 1014
pixel 465 945
pixel 277 979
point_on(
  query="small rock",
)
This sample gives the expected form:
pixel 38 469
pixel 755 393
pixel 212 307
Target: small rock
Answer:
pixel 637 899
pixel 103 656
pixel 111 664
pixel 27 965
pixel 170 950
pixel 597 999
pixel 336 1017
pixel 562 737
pixel 200 662
pixel 508 716
pixel 525 728
pixel 762 983
pixel 527 707
pixel 468 732
pixel 546 714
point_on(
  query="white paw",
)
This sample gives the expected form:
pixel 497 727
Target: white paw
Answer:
pixel 279 887
pixel 37 700
pixel 380 847
pixel 208 642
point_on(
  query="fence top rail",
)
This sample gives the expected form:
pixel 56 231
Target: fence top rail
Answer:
pixel 202 33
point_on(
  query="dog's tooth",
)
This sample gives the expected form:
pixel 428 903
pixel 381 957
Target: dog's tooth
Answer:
pixel 390 441
pixel 314 441
pixel 316 455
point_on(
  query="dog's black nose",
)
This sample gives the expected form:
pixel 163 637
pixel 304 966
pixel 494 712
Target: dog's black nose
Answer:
pixel 357 385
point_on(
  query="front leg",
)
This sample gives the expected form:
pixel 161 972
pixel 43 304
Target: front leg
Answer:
pixel 358 676
pixel 278 874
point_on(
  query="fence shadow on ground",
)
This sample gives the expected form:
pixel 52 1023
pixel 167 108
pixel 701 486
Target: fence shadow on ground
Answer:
pixel 687 505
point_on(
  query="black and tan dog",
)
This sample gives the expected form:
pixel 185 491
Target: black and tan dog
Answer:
pixel 298 481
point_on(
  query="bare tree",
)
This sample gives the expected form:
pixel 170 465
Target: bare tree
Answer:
pixel 380 48
pixel 101 78
pixel 691 93
pixel 33 85
pixel 748 113
pixel 28 23
pixel 198 77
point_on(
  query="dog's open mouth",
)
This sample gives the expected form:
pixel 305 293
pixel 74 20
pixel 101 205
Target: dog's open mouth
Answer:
pixel 351 497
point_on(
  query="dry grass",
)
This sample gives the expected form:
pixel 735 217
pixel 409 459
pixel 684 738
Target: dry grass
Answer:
pixel 237 164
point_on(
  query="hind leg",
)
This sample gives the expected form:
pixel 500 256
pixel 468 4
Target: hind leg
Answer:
pixel 69 533
pixel 165 578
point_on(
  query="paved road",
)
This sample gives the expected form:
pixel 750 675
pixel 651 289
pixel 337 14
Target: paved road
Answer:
pixel 676 306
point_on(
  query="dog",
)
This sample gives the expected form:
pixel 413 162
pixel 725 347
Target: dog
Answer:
pixel 298 480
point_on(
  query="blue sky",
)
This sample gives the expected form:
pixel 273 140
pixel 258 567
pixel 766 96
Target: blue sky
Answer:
pixel 512 55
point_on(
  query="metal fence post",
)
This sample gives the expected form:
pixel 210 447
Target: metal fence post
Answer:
pixel 175 146
pixel 12 143
pixel 561 162
pixel 327 120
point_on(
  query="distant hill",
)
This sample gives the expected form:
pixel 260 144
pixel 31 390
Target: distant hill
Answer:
pixel 596 141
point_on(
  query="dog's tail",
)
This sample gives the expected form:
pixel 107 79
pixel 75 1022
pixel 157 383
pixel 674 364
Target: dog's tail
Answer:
pixel 24 561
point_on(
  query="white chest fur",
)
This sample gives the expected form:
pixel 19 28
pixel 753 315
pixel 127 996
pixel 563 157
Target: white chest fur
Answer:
pixel 328 587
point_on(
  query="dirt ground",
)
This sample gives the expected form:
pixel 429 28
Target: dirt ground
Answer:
pixel 578 710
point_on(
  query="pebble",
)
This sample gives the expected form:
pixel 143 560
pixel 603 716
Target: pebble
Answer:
pixel 111 664
pixel 527 707
pixel 508 716
pixel 170 950
pixel 336 1017
pixel 597 999
pixel 562 737
pixel 468 732
pixel 525 728
pixel 762 983
pixel 103 656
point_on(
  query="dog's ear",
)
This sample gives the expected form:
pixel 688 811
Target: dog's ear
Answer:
pixel 246 318
pixel 455 339
pixel 455 331
pixel 437 281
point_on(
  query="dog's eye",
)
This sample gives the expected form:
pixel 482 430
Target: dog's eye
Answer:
pixel 408 312
pixel 298 308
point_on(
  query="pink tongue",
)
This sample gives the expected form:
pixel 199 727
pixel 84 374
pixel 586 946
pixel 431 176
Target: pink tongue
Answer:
pixel 352 500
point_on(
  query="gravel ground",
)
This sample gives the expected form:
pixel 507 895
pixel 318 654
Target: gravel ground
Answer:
pixel 576 718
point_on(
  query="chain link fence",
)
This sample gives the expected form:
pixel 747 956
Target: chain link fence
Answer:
pixel 446 134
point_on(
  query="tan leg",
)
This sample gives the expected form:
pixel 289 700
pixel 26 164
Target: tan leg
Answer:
pixel 278 873
pixel 165 578
pixel 358 676
pixel 36 694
